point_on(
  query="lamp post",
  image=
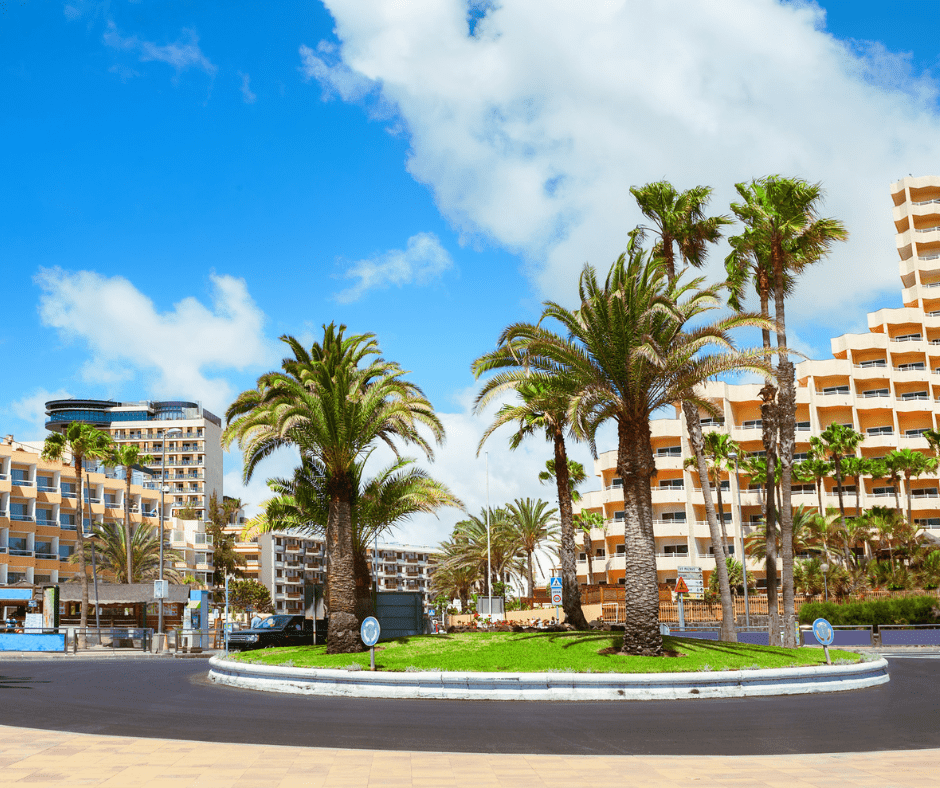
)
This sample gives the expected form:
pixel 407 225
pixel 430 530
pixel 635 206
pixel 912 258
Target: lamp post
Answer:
pixel 163 486
pixel 825 571
pixel 737 481
pixel 489 568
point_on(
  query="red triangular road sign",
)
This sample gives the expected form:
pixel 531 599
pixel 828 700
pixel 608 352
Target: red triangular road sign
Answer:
pixel 681 587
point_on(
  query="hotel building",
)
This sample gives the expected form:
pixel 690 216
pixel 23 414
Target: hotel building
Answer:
pixel 193 447
pixel 39 511
pixel 884 383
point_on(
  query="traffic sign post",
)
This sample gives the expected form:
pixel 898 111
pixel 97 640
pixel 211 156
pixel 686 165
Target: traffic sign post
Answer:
pixel 681 590
pixel 554 587
pixel 369 632
pixel 692 575
pixel 824 634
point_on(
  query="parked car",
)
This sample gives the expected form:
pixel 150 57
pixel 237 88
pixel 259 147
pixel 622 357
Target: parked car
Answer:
pixel 274 631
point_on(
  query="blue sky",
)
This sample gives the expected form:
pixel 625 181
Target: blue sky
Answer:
pixel 187 181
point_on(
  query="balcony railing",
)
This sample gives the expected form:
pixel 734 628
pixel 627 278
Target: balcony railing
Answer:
pixel 23 482
pixel 46 488
pixel 908 338
pixel 21 553
pixel 52 556
pixel 23 518
pixel 926 202
pixel 926 229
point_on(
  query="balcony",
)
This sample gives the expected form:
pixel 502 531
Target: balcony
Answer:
pixel 21 553
pixel 22 518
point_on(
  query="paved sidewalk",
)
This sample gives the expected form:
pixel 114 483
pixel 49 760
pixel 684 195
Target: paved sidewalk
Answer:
pixel 47 758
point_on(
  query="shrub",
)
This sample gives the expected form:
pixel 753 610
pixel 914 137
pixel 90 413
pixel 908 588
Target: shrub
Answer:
pixel 903 610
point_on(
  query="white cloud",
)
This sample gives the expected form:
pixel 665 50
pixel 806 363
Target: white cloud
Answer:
pixel 531 131
pixel 181 55
pixel 423 260
pixel 174 351
pixel 247 95
pixel 30 410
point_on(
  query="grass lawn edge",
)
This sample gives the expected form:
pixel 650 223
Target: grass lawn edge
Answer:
pixel 563 652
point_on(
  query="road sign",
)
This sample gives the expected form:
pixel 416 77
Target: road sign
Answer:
pixel 556 598
pixel 692 575
pixel 555 584
pixel 681 587
pixel 822 629
pixel 370 631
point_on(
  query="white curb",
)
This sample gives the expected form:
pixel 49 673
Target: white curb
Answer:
pixel 549 686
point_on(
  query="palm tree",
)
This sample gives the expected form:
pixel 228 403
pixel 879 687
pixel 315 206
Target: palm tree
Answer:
pixel 855 467
pixel 718 447
pixel 750 260
pixel 912 464
pixel 112 548
pixel 81 442
pixel 333 403
pixel 679 221
pixel 813 469
pixel 482 547
pixel 586 522
pixel 451 579
pixel 398 491
pixel 226 560
pixel 627 353
pixel 576 476
pixel 128 456
pixel 781 216
pixel 805 535
pixel 542 408
pixel 531 523
pixel 837 442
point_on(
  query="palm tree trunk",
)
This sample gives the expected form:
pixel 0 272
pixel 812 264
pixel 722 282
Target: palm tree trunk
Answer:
pixel 910 499
pixel 819 495
pixel 697 440
pixel 769 434
pixel 80 546
pixel 343 632
pixel 127 523
pixel 570 590
pixel 721 508
pixel 635 465
pixel 858 495
pixel 588 544
pixel 838 468
pixel 531 575
pixel 363 580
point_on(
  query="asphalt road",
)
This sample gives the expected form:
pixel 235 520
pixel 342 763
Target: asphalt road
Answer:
pixel 166 698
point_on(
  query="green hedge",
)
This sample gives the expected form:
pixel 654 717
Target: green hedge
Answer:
pixel 902 610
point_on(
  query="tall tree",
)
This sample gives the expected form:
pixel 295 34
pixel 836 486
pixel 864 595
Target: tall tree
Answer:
pixel 226 560
pixel 531 523
pixel 837 442
pixel 912 464
pixel 629 351
pixel 813 469
pixel 112 548
pixel 128 456
pixel 333 402
pixel 750 261
pixel 855 467
pixel 781 216
pixel 80 442
pixel 586 522
pixel 679 222
pixel 541 408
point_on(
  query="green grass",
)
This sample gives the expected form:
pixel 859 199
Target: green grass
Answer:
pixel 534 652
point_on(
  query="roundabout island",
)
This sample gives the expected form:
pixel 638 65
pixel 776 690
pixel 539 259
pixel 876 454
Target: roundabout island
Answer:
pixel 563 666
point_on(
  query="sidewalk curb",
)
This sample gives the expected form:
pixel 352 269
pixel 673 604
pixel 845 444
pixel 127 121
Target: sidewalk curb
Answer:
pixel 550 686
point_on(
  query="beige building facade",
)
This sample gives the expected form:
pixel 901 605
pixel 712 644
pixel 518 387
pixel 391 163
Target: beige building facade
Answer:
pixel 884 383
pixel 39 515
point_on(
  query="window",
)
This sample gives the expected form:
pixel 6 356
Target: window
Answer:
pixel 601 553
pixel 878 362
pixel 19 476
pixel 912 367
pixel 908 338
pixel 672 484
pixel 876 393
pixel 880 430
pixel 802 426
pixel 621 549
pixel 709 421
pixel 65 550
pixel 616 482
pixel 916 432
pixel 882 491
pixel 676 549
pixel 914 395
pixel 673 517
pixel 829 390
pixel 753 424
pixel 925 492
pixel 669 451
pixel 618 516
pixel 801 457
pixel 928 522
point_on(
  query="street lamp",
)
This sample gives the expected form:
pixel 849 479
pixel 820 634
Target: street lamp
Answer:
pixel 825 570
pixel 489 568
pixel 163 487
pixel 737 481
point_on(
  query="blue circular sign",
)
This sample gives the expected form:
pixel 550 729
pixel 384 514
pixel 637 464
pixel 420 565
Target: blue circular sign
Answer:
pixel 823 632
pixel 370 630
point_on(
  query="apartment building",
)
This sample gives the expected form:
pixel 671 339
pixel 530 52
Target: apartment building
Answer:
pixel 192 450
pixel 404 567
pixel 188 538
pixel 884 383
pixel 287 563
pixel 39 511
